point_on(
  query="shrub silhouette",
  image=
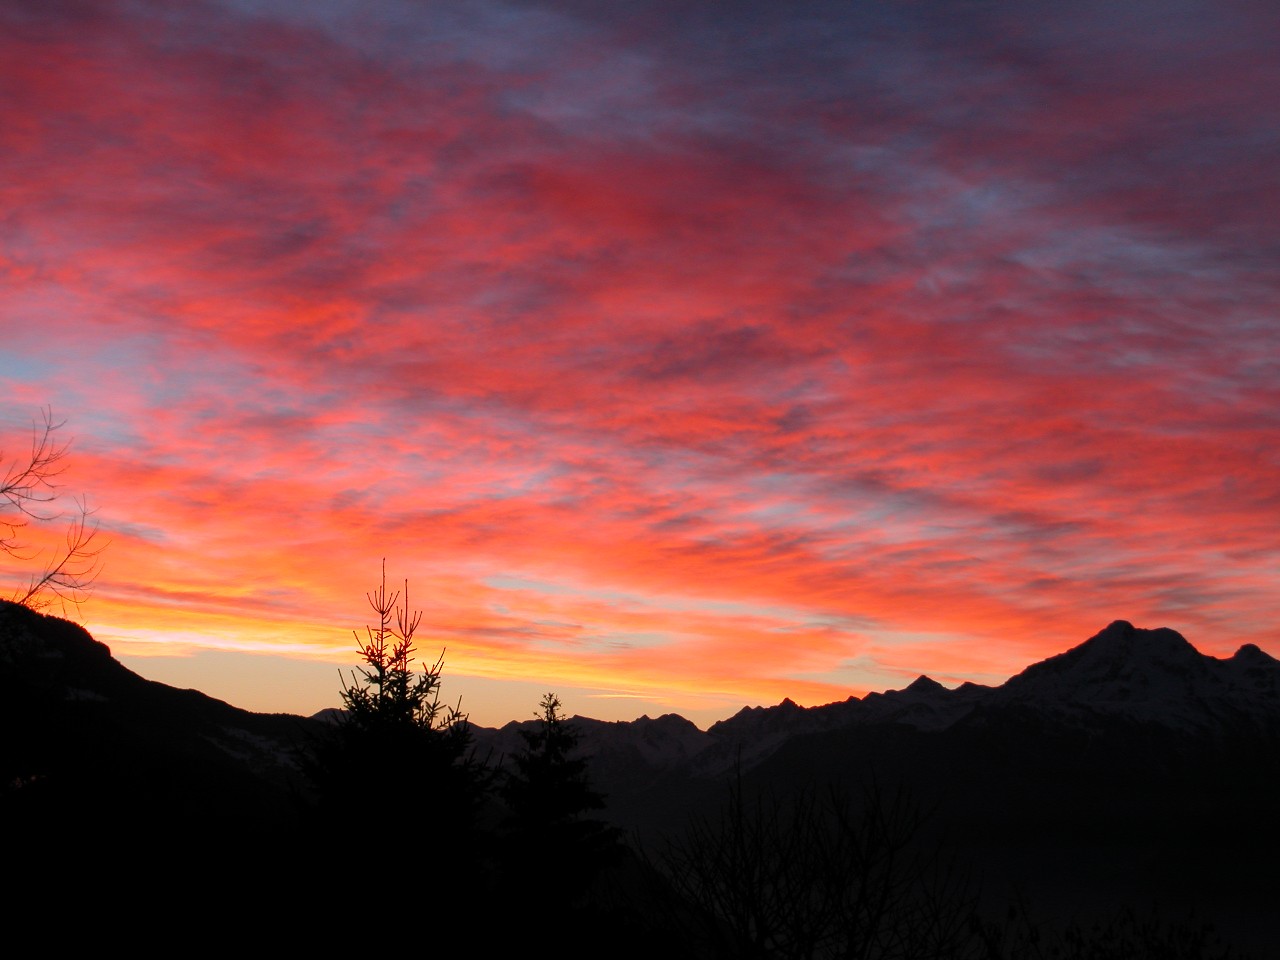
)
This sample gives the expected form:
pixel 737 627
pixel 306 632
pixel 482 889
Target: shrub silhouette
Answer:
pixel 815 874
pixel 1122 935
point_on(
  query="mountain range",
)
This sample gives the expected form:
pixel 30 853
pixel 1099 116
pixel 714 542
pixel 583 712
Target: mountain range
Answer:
pixel 1130 768
pixel 51 670
pixel 1123 673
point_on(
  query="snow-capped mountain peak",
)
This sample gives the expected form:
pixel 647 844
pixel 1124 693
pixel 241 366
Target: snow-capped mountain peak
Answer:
pixel 1150 676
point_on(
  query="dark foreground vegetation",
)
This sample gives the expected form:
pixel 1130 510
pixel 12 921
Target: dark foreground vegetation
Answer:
pixel 132 811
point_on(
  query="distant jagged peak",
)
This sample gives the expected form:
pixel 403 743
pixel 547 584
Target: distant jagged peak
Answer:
pixel 1122 638
pixel 1251 655
pixel 787 705
pixel 671 722
pixel 329 715
pixel 1123 667
pixel 924 684
pixel 1119 648
pixel 1253 669
pixel 756 721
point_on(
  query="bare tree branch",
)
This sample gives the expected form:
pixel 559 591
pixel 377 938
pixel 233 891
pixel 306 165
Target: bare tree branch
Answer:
pixel 69 575
pixel 28 484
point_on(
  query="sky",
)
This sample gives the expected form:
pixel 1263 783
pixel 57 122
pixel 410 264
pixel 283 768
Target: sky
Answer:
pixel 679 356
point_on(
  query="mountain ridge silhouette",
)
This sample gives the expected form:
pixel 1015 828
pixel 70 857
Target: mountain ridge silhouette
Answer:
pixel 1151 676
pixel 1100 775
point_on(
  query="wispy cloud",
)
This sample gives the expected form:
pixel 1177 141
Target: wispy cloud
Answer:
pixel 917 338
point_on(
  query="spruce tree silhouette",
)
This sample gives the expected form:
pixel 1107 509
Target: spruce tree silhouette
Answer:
pixel 549 800
pixel 397 763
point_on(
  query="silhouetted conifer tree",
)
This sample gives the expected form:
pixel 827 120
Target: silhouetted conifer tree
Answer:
pixel 549 800
pixel 397 763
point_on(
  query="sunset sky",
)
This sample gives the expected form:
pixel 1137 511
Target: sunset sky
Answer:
pixel 681 356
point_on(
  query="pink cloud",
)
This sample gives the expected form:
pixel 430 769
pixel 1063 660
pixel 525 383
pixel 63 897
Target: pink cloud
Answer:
pixel 940 355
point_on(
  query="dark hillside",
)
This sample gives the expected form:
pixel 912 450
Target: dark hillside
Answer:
pixel 1076 822
pixel 101 768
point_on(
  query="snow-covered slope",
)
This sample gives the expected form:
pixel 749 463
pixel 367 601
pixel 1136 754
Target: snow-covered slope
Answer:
pixel 1151 676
